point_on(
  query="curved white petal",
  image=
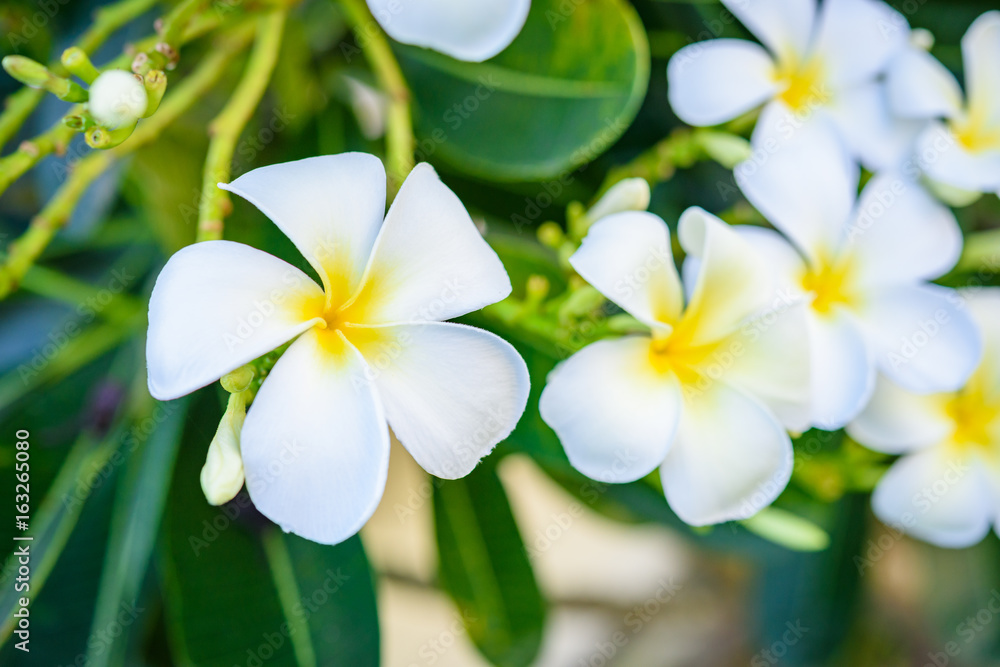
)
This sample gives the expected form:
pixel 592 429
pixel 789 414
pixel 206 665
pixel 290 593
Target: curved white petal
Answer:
pixel 897 421
pixel 804 182
pixel 981 59
pixel 919 86
pixel 842 369
pixel 451 392
pixel 628 258
pixel 943 157
pixel 876 137
pixel 782 259
pixel 936 496
pixel 923 339
pixel 471 31
pixel 733 281
pixel 217 305
pixel 768 358
pixel 784 26
pixel 731 458
pixel 330 206
pixel 900 234
pixel 315 442
pixel 711 82
pixel 856 39
pixel 613 412
pixel 430 262
pixel 984 306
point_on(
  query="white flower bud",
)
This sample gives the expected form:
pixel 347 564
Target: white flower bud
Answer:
pixel 117 98
pixel 222 475
pixel 921 38
pixel 630 194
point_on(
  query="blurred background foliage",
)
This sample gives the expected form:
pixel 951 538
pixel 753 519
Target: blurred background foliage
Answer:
pixel 132 567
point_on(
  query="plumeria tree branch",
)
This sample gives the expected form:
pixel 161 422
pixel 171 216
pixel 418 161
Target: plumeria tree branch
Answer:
pixel 29 246
pixel 225 130
pixel 400 144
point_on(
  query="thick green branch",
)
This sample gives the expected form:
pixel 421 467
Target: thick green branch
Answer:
pixel 228 125
pixel 399 139
pixel 27 248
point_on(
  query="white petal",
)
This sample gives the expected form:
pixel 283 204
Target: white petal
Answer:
pixel 935 496
pixel 804 183
pixel 471 31
pixel 430 262
pixel 784 26
pixel 731 458
pixel 315 443
pixel 981 58
pixel 783 261
pixel 983 305
pixel 711 82
pixel 842 369
pixel 733 281
pixel 217 305
pixel 628 258
pixel 919 86
pixel 922 338
pixel 451 392
pixel 770 361
pixel 330 206
pixel 901 234
pixel 876 137
pixel 897 421
pixel 943 157
pixel 856 39
pixel 615 415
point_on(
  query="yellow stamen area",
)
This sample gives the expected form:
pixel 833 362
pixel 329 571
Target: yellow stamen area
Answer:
pixel 975 134
pixel 830 282
pixel 976 417
pixel 804 84
pixel 674 353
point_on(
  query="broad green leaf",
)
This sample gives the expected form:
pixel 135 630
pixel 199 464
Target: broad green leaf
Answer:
pixel 556 98
pixel 485 568
pixel 237 591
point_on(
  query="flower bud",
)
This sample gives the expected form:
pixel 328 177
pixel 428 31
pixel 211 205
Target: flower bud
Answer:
pixel 921 38
pixel 117 98
pixel 222 475
pixel 630 194
pixel 76 62
pixel 727 149
pixel 238 380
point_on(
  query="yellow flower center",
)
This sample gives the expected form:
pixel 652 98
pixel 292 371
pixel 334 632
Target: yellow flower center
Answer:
pixel 804 84
pixel 675 353
pixel 975 134
pixel 830 283
pixel 975 416
pixel 344 314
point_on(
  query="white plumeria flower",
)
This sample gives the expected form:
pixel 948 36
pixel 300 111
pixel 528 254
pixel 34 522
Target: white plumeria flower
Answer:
pixel 707 395
pixel 117 98
pixel 814 68
pixel 963 151
pixel 471 31
pixel 862 263
pixel 369 346
pixel 946 486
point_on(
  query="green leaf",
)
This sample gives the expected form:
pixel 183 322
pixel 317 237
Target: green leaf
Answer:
pixel 485 568
pixel 134 526
pixel 237 591
pixel 556 98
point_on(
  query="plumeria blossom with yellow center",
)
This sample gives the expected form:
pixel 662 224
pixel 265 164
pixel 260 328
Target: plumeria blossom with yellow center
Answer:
pixel 814 66
pixel 470 31
pixel 862 262
pixel 369 348
pixel 946 486
pixel 963 149
pixel 708 393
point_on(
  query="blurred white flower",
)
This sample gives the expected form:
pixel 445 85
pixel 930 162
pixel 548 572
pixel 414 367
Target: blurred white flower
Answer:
pixel 814 69
pixel 369 346
pixel 117 98
pixel 472 31
pixel 707 394
pixel 944 489
pixel 964 150
pixel 628 194
pixel 862 263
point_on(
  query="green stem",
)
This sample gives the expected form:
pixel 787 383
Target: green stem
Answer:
pixel 289 595
pixel 226 128
pixel 106 21
pixel 400 144
pixel 26 249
